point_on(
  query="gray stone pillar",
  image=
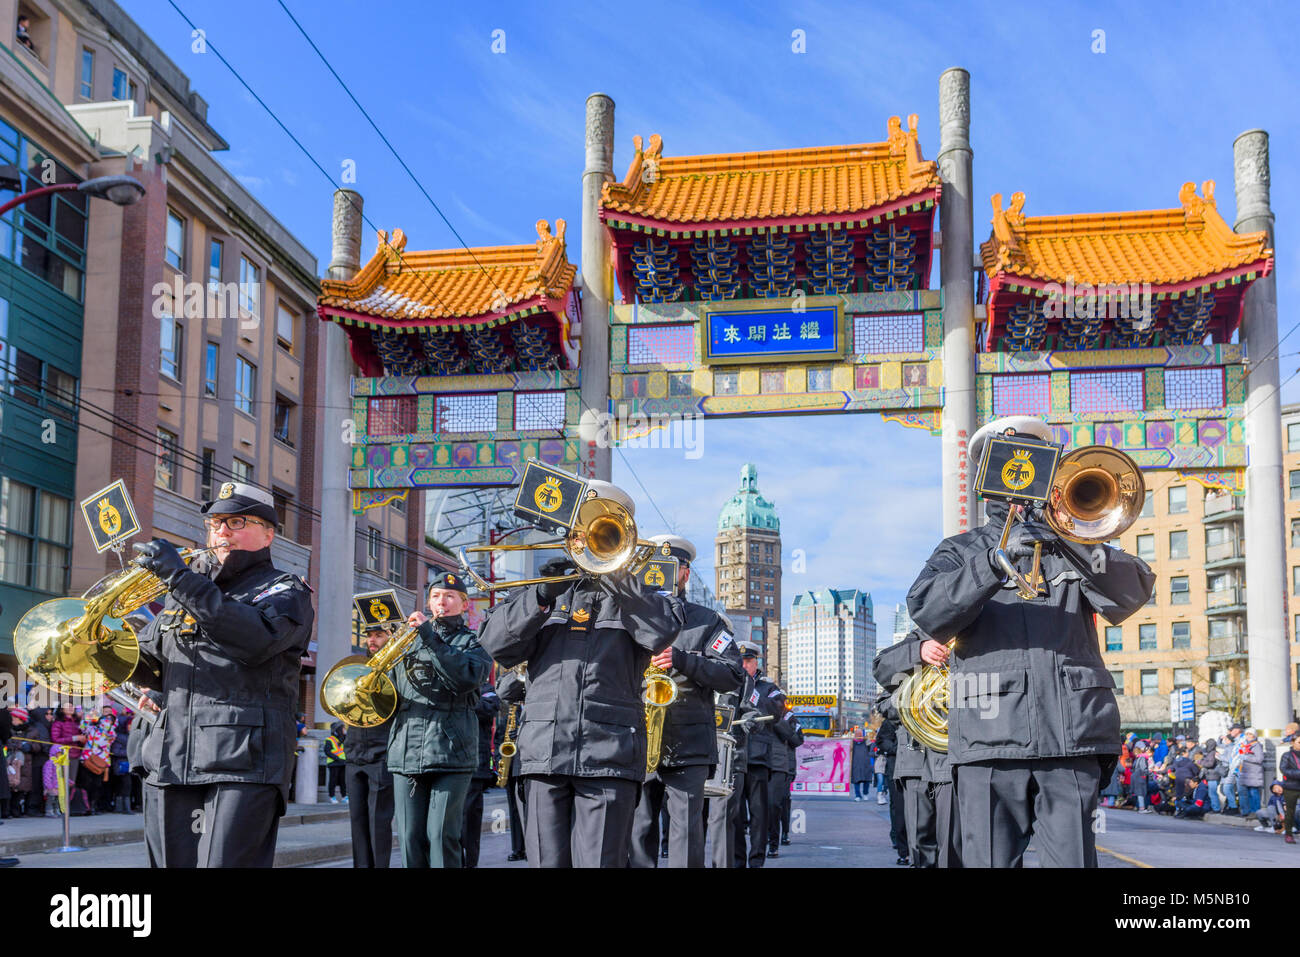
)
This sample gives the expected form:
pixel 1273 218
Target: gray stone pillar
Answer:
pixel 957 279
pixel 338 524
pixel 1266 628
pixel 597 286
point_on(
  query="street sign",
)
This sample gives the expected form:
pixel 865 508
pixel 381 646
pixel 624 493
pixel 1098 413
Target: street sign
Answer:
pixel 1182 705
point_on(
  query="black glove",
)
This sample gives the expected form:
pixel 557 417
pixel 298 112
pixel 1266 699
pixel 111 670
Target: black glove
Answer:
pixel 557 566
pixel 1020 542
pixel 161 558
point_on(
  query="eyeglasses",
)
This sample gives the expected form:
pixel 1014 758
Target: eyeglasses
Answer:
pixel 234 522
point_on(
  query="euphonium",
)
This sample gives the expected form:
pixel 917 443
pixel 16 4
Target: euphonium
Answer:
pixel 358 690
pixel 82 646
pixel 660 691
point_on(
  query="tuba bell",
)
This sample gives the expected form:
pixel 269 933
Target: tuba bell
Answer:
pixel 1096 494
pixel 660 691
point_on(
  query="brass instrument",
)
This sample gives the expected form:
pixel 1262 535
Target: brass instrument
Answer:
pixel 660 691
pixel 508 747
pixel 358 691
pixel 84 646
pixel 602 540
pixel 1096 494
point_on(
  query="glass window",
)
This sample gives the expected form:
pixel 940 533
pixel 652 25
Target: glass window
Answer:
pixel 726 383
pixel 1293 437
pixel 1118 676
pixel 60 392
pixel 1221 628
pixel 1216 535
pixel 1177 499
pixel 1114 638
pixel 1146 637
pixel 1182 631
pixel 281 500
pixel 205 475
pixel 1295 533
pixel 283 417
pixel 1146 545
pixel 241 471
pixel 165 470
pixel 245 384
pixel 1295 580
pixel 1219 582
pixel 169 336
pixel 214 262
pixel 372 549
pixel 210 364
pixel 1218 676
pixel 250 288
pixel 1148 505
pixel 1178 544
pixel 396 563
pixel 1150 682
pixel 1182 677
pixel 175 254
pixel 1179 591
pixel 121 86
pixel 88 74
pixel 1294 480
pixel 284 322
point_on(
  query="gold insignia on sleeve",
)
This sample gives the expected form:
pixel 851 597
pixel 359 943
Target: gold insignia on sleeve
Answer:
pixel 581 616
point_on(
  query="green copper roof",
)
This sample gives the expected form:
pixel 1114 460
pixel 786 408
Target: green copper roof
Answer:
pixel 747 508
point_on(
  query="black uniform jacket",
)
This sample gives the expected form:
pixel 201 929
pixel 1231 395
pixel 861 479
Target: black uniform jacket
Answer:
pixel 891 666
pixel 224 651
pixel 740 700
pixel 705 660
pixel 1028 679
pixel 586 655
pixel 435 727
pixel 768 741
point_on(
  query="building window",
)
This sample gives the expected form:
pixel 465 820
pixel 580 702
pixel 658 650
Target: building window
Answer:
pixel 1295 580
pixel 726 383
pixel 1220 628
pixel 88 74
pixel 1179 592
pixel 819 378
pixel 241 471
pixel 1294 480
pixel 205 475
pixel 1215 535
pixel 1295 533
pixel 1177 499
pixel 175 254
pixel 372 549
pixel 250 288
pixel 1150 682
pixel 1118 677
pixel 396 563
pixel 1148 506
pixel 34 537
pixel 164 475
pixel 1146 637
pixel 281 500
pixel 214 262
pixel 170 335
pixel 210 363
pixel 539 410
pixel 1178 544
pixel 1293 437
pixel 1182 677
pixel 398 505
pixel 1146 546
pixel 284 323
pixel 245 384
pixel 283 420
pixel 1114 638
pixel 1182 634
pixel 1218 676
pixel 476 412
pixel 1027 394
pixel 1116 391
pixel 121 85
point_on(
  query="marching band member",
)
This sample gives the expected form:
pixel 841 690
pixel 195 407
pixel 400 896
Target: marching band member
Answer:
pixel 583 747
pixel 702 660
pixel 785 746
pixel 226 648
pixel 489 704
pixel 1033 719
pixel 770 701
pixel 512 688
pixel 370 783
pixel 725 820
pixel 433 745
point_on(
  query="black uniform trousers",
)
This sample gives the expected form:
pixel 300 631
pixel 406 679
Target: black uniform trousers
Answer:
pixel 472 830
pixel 920 817
pixel 370 806
pixel 578 822
pixel 679 792
pixel 758 788
pixel 778 803
pixel 897 821
pixel 723 816
pixel 947 823
pixel 1001 803
pixel 516 799
pixel 430 813
pixel 211 825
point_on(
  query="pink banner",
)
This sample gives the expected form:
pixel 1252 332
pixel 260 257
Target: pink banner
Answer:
pixel 823 766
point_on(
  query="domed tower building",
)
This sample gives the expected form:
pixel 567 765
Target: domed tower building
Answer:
pixel 748 560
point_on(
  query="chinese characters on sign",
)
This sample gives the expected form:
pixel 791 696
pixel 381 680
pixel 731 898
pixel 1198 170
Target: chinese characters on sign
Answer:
pixel 765 334
pixel 963 474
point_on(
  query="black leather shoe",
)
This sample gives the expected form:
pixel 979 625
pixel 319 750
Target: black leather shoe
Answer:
pixel 904 861
pixel 516 857
pixel 664 853
pixel 773 853
pixel 785 842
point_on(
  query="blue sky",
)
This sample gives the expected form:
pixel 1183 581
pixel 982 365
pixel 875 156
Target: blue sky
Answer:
pixel 497 140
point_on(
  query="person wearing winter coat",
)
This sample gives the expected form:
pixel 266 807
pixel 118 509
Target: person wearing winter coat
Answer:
pixel 1140 779
pixel 336 762
pixel 860 767
pixel 66 731
pixel 1228 746
pixel 1113 792
pixel 1250 774
pixel 1289 768
pixel 38 735
pixel 1186 773
pixel 1211 771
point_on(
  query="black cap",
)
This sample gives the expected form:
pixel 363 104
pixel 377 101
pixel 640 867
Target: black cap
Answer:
pixel 237 498
pixel 454 581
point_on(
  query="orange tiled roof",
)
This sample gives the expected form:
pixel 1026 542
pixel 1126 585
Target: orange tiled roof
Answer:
pixel 1160 246
pixel 774 184
pixel 454 283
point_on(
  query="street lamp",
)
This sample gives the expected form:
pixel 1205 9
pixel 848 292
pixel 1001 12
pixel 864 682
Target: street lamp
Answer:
pixel 120 190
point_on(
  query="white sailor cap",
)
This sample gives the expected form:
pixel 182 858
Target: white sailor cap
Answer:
pixel 611 491
pixel 680 548
pixel 237 498
pixel 749 649
pixel 1024 424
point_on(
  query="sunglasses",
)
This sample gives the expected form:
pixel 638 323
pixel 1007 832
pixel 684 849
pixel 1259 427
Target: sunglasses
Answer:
pixel 234 522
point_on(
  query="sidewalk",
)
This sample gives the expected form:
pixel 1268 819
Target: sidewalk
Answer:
pixel 1210 817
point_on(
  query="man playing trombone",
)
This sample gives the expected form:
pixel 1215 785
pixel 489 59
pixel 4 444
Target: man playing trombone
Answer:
pixel 582 747
pixel 226 650
pixel 1032 718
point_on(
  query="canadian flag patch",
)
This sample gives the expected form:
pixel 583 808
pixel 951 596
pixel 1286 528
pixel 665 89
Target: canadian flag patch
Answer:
pixel 721 643
pixel 273 590
pixel 753 699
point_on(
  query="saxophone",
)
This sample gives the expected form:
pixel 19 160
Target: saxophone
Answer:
pixel 508 747
pixel 660 691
